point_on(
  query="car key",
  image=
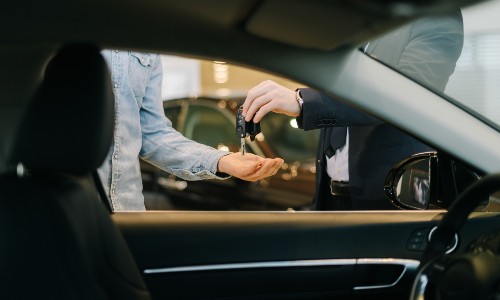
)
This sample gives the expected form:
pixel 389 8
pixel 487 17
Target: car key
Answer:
pixel 244 129
pixel 242 146
pixel 240 129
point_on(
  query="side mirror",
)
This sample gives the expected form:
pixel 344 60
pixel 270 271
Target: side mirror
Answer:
pixel 412 183
pixel 428 180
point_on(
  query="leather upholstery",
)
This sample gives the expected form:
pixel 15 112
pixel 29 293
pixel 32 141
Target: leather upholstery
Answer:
pixel 69 123
pixel 57 241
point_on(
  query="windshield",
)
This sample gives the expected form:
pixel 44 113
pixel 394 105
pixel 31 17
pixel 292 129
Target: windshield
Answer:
pixel 475 82
pixel 470 75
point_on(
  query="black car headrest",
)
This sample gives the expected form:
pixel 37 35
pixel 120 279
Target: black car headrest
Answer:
pixel 68 125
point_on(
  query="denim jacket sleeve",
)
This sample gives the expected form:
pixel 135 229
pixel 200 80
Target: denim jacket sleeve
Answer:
pixel 165 147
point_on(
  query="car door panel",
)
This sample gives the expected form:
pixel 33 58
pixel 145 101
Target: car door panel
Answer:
pixel 254 255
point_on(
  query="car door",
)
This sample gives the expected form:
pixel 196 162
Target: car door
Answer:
pixel 312 255
pixel 320 255
pixel 283 255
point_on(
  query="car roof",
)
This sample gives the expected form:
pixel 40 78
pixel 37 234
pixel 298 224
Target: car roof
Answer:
pixel 245 32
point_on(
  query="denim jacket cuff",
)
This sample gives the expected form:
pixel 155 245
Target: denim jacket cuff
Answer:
pixel 212 163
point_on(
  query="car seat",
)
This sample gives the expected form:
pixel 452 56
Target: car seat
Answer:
pixel 57 240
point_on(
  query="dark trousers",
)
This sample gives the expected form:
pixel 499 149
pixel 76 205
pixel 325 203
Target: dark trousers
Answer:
pixel 338 197
pixel 337 203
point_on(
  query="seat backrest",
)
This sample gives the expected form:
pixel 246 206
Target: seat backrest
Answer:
pixel 57 241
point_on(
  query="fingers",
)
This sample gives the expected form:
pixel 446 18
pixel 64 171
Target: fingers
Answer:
pixel 253 94
pixel 275 167
pixel 269 96
pixel 257 97
pixel 268 167
pixel 249 167
pixel 260 107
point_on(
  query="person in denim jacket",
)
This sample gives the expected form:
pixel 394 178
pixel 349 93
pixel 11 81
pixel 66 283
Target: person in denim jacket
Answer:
pixel 142 130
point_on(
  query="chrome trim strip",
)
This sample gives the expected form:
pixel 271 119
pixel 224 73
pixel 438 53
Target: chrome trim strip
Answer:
pixel 409 264
pixel 255 265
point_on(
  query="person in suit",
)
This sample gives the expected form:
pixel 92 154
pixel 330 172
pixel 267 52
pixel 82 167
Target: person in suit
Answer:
pixel 356 150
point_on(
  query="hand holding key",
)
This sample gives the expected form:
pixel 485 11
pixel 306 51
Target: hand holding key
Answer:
pixel 268 96
pixel 248 167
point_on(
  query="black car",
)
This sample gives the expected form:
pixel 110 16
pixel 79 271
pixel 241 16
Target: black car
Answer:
pixel 211 121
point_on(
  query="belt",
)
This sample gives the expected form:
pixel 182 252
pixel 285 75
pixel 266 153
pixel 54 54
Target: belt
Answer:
pixel 339 188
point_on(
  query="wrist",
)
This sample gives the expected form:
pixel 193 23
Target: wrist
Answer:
pixel 222 164
pixel 300 101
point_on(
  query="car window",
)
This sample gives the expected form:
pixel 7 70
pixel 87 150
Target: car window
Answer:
pixel 474 84
pixel 471 81
pixel 213 92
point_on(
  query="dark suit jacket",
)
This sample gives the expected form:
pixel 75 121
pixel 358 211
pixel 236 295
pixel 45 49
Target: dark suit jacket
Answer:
pixel 425 50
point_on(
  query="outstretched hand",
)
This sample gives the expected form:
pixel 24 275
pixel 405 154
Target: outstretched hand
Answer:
pixel 248 167
pixel 269 96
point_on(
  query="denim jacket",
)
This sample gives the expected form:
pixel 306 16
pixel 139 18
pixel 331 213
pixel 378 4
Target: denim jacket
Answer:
pixel 142 130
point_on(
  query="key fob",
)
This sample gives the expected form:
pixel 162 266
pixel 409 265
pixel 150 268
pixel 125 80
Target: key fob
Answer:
pixel 244 128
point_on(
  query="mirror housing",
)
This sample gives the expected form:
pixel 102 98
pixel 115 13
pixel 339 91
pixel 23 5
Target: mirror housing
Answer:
pixel 428 180
pixel 412 183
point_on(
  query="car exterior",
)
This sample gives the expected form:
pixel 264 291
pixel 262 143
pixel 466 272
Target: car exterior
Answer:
pixel 211 121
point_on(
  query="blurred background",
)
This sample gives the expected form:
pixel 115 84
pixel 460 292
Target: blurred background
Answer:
pixel 185 77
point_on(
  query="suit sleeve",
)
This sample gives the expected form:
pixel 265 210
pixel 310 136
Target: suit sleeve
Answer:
pixel 321 111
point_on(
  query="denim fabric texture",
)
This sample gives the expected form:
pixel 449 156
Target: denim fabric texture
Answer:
pixel 142 130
